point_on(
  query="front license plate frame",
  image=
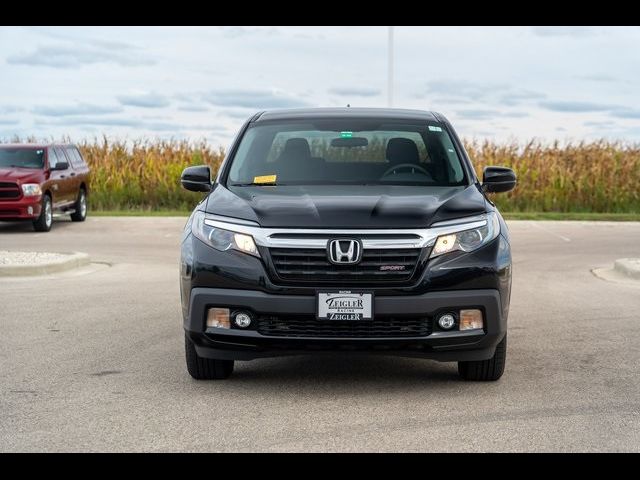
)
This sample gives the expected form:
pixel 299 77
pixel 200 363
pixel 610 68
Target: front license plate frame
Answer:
pixel 350 310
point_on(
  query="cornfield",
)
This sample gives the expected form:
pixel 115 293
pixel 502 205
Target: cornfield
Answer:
pixel 144 175
pixel 581 177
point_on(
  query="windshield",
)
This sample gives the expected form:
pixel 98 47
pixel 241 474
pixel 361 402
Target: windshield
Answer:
pixel 330 152
pixel 21 157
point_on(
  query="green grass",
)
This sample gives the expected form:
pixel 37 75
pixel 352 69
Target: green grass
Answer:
pixel 616 217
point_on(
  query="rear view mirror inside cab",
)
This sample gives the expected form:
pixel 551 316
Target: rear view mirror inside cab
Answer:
pixel 349 142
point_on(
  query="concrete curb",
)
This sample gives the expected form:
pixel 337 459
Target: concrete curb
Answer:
pixel 628 266
pixel 71 261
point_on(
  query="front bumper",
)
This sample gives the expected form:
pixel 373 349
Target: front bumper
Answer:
pixel 26 208
pixel 249 344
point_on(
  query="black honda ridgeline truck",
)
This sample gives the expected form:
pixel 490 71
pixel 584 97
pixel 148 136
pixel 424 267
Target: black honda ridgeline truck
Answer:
pixel 354 230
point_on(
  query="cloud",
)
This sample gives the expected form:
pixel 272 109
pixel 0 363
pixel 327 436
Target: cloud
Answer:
pixel 307 36
pixel 516 97
pixel 78 109
pixel 99 121
pixel 8 121
pixel 564 31
pixel 515 114
pixel 195 107
pixel 235 32
pixel 77 55
pixel 234 114
pixel 598 77
pixel 126 122
pixel 144 100
pixel 488 114
pixel 452 91
pixel 600 124
pixel 626 112
pixel 617 111
pixel 66 34
pixel 209 128
pixel 576 106
pixel 462 88
pixel 477 114
pixel 10 109
pixel 255 99
pixel 446 101
pixel 354 91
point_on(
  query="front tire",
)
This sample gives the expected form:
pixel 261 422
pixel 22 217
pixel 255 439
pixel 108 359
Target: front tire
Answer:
pixel 45 220
pixel 80 207
pixel 205 368
pixel 486 370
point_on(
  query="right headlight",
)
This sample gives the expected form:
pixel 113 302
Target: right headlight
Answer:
pixel 222 239
pixel 31 189
pixel 467 239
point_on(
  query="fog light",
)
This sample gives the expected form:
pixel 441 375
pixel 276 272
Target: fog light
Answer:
pixel 29 210
pixel 242 319
pixel 218 318
pixel 446 321
pixel 471 319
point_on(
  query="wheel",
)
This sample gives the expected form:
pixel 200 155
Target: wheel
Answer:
pixel 44 221
pixel 486 370
pixel 80 207
pixel 205 368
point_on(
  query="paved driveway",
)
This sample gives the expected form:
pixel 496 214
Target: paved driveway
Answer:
pixel 94 360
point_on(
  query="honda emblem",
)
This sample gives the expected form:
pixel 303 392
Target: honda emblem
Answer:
pixel 344 251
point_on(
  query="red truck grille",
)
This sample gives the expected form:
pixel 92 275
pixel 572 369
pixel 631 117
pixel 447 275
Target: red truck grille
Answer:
pixel 9 191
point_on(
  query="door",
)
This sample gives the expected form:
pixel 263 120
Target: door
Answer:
pixel 75 171
pixel 62 185
pixel 56 185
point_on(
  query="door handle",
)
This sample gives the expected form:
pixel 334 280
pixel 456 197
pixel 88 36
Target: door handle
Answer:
pixel 73 175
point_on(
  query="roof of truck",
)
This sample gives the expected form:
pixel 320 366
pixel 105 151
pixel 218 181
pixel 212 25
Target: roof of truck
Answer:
pixel 346 112
pixel 34 145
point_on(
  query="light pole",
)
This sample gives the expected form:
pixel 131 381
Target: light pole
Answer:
pixel 390 69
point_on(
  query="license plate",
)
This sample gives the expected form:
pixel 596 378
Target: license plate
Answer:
pixel 345 305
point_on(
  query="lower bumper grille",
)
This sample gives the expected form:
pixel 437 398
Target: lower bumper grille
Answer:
pixel 9 213
pixel 309 326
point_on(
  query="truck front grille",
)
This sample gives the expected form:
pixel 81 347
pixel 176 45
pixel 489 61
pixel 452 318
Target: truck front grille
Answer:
pixel 377 265
pixel 9 191
pixel 309 326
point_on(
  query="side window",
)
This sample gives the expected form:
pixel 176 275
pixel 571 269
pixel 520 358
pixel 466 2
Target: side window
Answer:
pixel 61 155
pixel 73 156
pixel 53 158
pixel 81 161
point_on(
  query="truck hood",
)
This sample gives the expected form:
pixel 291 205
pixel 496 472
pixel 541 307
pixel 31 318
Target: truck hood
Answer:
pixel 21 175
pixel 346 206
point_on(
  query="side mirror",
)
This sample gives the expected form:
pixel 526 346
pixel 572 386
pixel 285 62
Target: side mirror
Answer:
pixel 61 166
pixel 196 179
pixel 498 179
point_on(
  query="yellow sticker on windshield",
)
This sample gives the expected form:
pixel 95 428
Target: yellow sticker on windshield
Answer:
pixel 265 179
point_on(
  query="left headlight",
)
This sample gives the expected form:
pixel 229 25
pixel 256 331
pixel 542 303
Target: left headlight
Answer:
pixel 31 189
pixel 467 240
pixel 222 239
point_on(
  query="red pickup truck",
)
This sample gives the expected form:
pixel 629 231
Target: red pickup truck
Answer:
pixel 37 180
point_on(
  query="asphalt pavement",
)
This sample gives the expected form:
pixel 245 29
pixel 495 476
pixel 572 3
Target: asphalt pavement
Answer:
pixel 93 359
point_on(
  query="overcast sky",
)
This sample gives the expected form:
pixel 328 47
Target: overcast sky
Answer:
pixel 202 82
